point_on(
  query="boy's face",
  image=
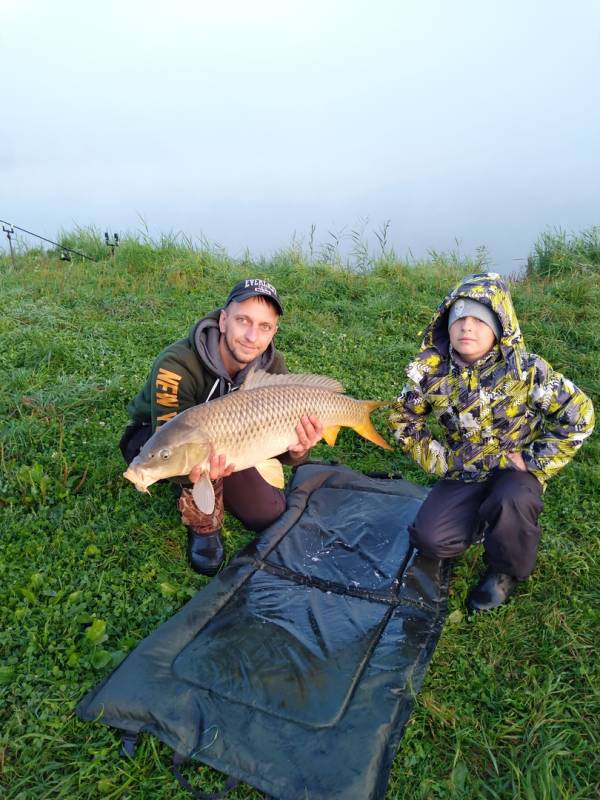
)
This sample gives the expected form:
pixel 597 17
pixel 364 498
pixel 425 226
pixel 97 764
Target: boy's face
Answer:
pixel 471 338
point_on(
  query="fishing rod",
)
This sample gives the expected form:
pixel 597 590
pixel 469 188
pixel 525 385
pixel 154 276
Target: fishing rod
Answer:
pixel 13 228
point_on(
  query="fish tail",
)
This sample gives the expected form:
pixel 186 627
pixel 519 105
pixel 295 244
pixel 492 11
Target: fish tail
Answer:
pixel 365 427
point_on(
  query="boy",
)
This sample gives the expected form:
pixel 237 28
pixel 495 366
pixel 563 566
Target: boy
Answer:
pixel 510 423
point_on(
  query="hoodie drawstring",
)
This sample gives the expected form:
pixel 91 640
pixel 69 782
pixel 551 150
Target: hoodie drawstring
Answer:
pixel 214 386
pixel 228 387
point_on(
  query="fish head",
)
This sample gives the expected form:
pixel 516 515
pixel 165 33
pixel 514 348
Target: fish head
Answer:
pixel 168 454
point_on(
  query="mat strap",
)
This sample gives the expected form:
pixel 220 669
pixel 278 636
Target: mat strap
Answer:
pixel 179 761
pixel 128 744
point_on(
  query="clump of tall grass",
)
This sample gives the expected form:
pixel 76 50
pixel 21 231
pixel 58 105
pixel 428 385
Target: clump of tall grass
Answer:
pixel 346 248
pixel 364 250
pixel 557 253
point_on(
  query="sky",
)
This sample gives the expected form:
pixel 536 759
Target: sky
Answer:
pixel 459 124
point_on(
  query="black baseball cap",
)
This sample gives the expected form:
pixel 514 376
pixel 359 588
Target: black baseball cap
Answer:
pixel 253 287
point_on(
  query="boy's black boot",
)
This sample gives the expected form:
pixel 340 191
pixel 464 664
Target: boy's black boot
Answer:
pixel 205 552
pixel 492 591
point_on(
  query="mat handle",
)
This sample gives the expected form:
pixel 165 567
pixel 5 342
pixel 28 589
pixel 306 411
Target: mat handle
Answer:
pixel 178 761
pixel 128 744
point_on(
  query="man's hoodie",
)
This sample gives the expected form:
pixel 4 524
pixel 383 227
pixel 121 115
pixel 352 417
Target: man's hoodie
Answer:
pixel 190 372
pixel 509 400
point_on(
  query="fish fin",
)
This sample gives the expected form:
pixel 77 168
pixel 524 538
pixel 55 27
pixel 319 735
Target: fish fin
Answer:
pixel 330 434
pixel 272 472
pixel 204 494
pixel 366 429
pixel 257 378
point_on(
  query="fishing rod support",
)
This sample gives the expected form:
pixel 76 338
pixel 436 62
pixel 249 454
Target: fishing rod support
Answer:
pixel 112 243
pixel 10 231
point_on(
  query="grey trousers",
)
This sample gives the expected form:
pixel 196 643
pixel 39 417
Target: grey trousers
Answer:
pixel 510 502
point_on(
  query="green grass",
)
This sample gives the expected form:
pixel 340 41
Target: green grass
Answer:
pixel 557 253
pixel 510 706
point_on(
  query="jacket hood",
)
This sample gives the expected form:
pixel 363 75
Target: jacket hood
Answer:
pixel 490 289
pixel 204 338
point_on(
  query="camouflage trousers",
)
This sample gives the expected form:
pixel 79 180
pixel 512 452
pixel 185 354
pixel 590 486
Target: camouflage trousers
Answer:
pixel 195 519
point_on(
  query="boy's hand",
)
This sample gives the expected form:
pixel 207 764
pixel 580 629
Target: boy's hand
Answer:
pixel 517 461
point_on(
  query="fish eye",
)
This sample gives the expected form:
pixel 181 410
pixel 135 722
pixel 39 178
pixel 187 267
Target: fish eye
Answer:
pixel 164 454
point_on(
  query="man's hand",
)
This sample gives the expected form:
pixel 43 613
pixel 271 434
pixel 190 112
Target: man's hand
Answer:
pixel 517 461
pixel 218 469
pixel 309 431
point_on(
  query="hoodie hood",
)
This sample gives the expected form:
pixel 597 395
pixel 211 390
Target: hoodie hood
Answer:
pixel 204 337
pixel 490 289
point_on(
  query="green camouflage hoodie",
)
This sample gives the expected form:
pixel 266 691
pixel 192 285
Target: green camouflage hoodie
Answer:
pixel 509 400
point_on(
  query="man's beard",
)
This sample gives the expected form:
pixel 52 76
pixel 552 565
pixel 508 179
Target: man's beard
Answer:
pixel 239 355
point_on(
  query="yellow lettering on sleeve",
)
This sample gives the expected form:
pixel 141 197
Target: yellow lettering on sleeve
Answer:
pixel 165 418
pixel 165 399
pixel 166 376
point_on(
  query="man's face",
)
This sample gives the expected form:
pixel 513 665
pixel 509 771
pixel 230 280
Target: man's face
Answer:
pixel 471 338
pixel 247 330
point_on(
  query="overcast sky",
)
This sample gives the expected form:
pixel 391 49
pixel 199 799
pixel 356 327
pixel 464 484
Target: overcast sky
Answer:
pixel 248 122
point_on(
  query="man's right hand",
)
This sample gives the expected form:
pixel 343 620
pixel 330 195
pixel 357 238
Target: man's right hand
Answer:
pixel 218 469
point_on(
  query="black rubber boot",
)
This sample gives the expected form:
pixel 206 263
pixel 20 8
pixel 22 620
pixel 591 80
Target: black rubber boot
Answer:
pixel 205 552
pixel 492 591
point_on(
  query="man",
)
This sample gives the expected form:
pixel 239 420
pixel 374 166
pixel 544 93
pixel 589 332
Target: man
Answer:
pixel 213 360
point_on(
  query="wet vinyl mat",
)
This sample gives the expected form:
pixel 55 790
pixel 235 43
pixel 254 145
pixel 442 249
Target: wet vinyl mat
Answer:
pixel 294 670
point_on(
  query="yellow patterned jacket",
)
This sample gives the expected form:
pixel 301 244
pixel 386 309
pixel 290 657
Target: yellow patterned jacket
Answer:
pixel 509 400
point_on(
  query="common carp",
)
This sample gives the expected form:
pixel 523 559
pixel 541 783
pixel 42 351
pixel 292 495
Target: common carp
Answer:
pixel 249 426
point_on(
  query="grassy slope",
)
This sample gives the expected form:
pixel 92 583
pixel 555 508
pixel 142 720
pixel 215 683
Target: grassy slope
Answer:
pixel 510 705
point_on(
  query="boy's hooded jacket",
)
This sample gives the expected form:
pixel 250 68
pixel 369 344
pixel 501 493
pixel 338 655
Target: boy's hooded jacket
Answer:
pixel 509 400
pixel 190 372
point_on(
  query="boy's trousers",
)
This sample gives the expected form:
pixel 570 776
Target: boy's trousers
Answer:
pixel 509 501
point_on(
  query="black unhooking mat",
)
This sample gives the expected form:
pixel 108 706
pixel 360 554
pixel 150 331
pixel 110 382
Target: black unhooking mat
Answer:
pixel 294 670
